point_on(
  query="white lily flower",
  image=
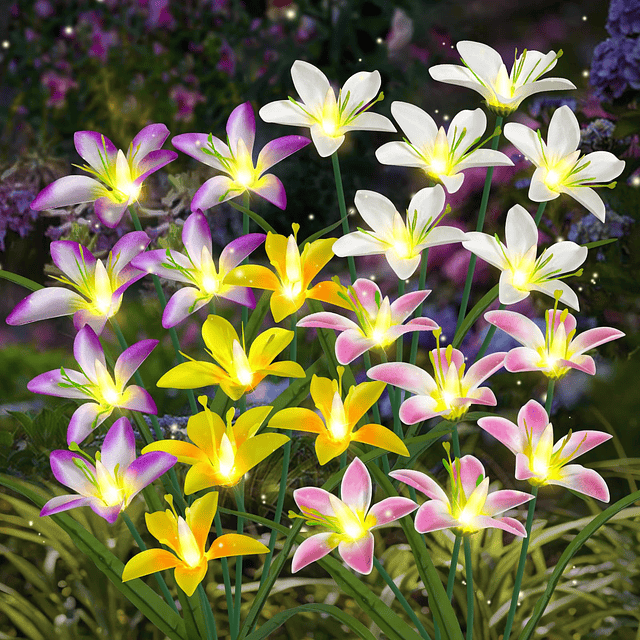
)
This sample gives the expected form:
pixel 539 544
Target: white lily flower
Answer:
pixel 329 118
pixel 440 154
pixel 522 272
pixel 560 168
pixel 402 242
pixel 484 72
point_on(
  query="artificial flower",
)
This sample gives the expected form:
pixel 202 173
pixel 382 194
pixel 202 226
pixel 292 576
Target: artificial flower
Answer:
pixel 108 483
pixel 441 154
pixel 94 382
pixel 471 507
pixel 236 372
pixel 198 270
pixel 350 521
pixel 539 461
pixel 328 118
pixel 379 321
pixel 452 391
pixel 555 352
pixel 522 272
pixel 559 166
pixel 484 72
pixel 294 273
pixel 120 177
pixel 235 159
pixel 220 455
pixel 335 429
pixel 401 242
pixel 187 538
pixel 100 285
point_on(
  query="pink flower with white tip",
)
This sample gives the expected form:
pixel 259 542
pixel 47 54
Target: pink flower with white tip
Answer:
pixel 539 461
pixel 379 321
pixel 471 506
pixel 555 352
pixel 350 520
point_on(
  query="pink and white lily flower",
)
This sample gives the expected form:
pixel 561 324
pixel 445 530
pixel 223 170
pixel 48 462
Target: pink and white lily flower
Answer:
pixel 539 461
pixel 99 285
pixel 379 321
pixel 522 272
pixel 452 391
pixel 94 382
pixel 554 353
pixel 108 483
pixel 120 177
pixel 235 159
pixel 559 166
pixel 329 118
pixel 401 242
pixel 441 154
pixel 471 507
pixel 196 268
pixel 350 520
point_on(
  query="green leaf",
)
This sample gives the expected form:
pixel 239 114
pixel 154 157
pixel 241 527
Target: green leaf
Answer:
pixel 565 558
pixel 147 601
pixel 473 315
pixel 600 243
pixel 280 618
pixel 297 390
pixel 21 280
pixel 259 220
pixel 322 232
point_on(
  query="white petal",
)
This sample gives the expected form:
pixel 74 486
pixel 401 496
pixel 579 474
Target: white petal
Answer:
pixel 403 267
pixel 460 76
pixel 568 296
pixel 481 58
pixel 357 244
pixel 452 183
pixel 285 112
pixel 399 154
pixel 589 199
pixel 417 125
pixel 566 256
pixel 525 140
pixel 563 136
pixel 603 166
pixel 428 202
pixel 507 293
pixel 521 231
pixel 377 211
pixel 362 88
pixel 484 158
pixel 540 86
pixel 310 83
pixel 325 144
pixel 475 122
pixel 369 121
pixel 485 247
pixel 538 190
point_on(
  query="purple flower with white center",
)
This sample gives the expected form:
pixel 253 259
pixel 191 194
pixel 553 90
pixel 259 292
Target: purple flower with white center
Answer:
pixel 350 520
pixel 198 270
pixel 99 285
pixel 109 483
pixel 235 159
pixel 471 507
pixel 120 177
pixel 93 382
pixel 379 321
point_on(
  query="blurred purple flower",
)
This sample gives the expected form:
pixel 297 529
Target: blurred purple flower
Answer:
pixel 624 17
pixel 186 100
pixel 159 15
pixel 101 42
pixel 58 86
pixel 306 29
pixel 227 61
pixel 43 8
pixel 615 67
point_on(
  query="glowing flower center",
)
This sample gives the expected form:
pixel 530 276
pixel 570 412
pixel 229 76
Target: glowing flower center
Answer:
pixel 351 525
pixel 102 303
pixel 130 189
pixel 540 466
pixel 188 545
pixel 402 248
pixel 226 457
pixel 329 126
pixel 245 376
pixel 210 284
pixel 465 517
pixel 503 85
pixel 448 397
pixel 111 395
pixel 378 336
pixel 110 493
pixel 245 177
pixel 439 166
pixel 292 290
pixel 338 429
pixel 552 179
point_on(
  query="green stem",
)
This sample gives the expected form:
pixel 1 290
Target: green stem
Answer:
pixel 469 570
pixel 209 620
pixel 401 599
pixel 235 629
pixel 487 339
pixel 225 570
pixel 343 209
pixel 521 564
pixel 259 220
pixel 539 213
pixel 143 547
pixel 455 441
pixel 481 215
pixel 393 398
pixel 549 401
pixel 451 578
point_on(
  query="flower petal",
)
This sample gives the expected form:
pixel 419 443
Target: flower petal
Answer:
pixel 355 489
pixel 593 338
pixel 378 436
pixel 149 561
pixel 50 384
pixel 256 449
pixel 398 154
pixel 147 468
pixel 501 501
pixel 136 398
pixel 504 431
pixel 460 76
pixel 469 470
pixel 119 447
pixel 241 125
pixel 589 199
pixel 484 158
pixel 314 499
pixel 193 144
pixel 271 189
pixel 213 192
pixel 582 480
pixel 312 549
pixel 563 134
pixel 66 191
pixel 419 127
pixel 526 141
pixel 325 145
pixel 603 166
pixel 84 420
pixel 405 305
pixel 310 83
pixel 533 417
pixel 51 302
pixel 483 369
pixel 357 244
pixel 285 112
pixel 368 121
pixel 67 473
pixel 391 509
pixel 485 247
pixel 404 268
pixel 482 59
pixel 130 359
pixel 96 150
pixel 519 327
pixel 148 139
pixel 235 544
pixel 358 554
pixel 152 162
pixel 418 408
pixel 422 482
pixel 361 88
pixel 568 296
pixel 511 525
pixel 297 419
pixel 327 320
pixel 182 304
pixel 109 213
pixel 188 578
pixel 196 235
pixel 63 503
pixel 279 149
pixel 327 449
pixel 351 344
pixel 580 442
pixel 434 516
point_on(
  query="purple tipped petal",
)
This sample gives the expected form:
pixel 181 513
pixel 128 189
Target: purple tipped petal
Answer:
pixel 110 514
pixel 152 162
pixel 356 487
pixel 241 295
pixel 313 549
pixel 351 344
pixel 525 331
pixel 214 191
pixel 237 250
pixel 504 431
pixel 84 420
pixel 136 398
pixel 130 359
pixel 182 304
pixel 49 384
pixel 147 468
pixel 405 305
pixel 63 503
pixel 71 258
pixel 580 442
pixel 403 375
pixel 391 509
pixel 582 480
pixel 196 234
pixel 358 554
pixel 95 149
pixel 271 189
pixel 533 418
pixel 241 125
pixel 279 149
pixel 314 498
pixel 470 470
pixel 152 262
pixel 86 350
pixel 421 482
pixel 484 368
pixel 501 501
pixel 593 338
pixel 66 191
pixel 119 446
pixel 67 473
pixel 109 212
pixel 522 359
pixel 506 524
pixel 149 139
pixel 51 302
pixel 328 320
pixel 417 409
pixel 89 317
pixel 193 143
pixel 434 516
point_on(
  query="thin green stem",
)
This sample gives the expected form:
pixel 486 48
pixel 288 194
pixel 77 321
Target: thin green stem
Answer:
pixel 343 209
pixel 539 212
pixel 487 339
pixel 481 215
pixel 143 547
pixel 455 441
pixel 521 563
pixel 393 398
pixel 235 629
pixel 401 599
pixel 454 564
pixel 209 620
pixel 225 570
pixel 549 400
pixel 469 570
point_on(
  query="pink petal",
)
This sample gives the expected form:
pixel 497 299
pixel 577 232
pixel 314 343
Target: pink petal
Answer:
pixel 417 409
pixel 525 331
pixel 478 372
pixel 440 358
pixel 506 524
pixel 434 516
pixel 66 191
pixel 405 305
pixel 196 234
pixel 193 143
pixel 593 338
pixel 110 514
pixel 534 416
pixel 148 139
pixel 84 420
pixel 328 320
pixel 582 480
pixel 356 487
pixel 237 250
pixel 279 149
pixel 89 317
pixel 417 324
pixel 315 499
pixel 71 258
pixel 131 358
pixel 390 510
pixel 366 291
pixel 67 473
pixel 271 189
pixel 119 447
pixel 501 501
pixel 147 468
pixel 214 191
pixel 470 469
pixel 313 549
pixel 51 302
pixel 350 344
pixel 580 442
pixel 403 375
pixel 49 384
pixel 109 212
pixel 182 304
pixel 136 398
pixel 481 395
pixel 522 359
pixel 569 321
pixel 63 503
pixel 358 554
pixel 421 482
pixel 581 363
pixel 152 162
pixel 86 350
pixel 523 469
pixel 241 125
pixel 96 150
pixel 504 431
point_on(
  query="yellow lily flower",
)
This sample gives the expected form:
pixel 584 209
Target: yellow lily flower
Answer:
pixel 294 273
pixel 237 373
pixel 187 538
pixel 335 432
pixel 220 455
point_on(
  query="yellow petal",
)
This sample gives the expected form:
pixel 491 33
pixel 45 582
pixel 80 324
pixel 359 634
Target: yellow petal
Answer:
pixel 248 423
pixel 315 256
pixel 255 450
pixel 184 451
pixel 236 391
pixel 192 375
pixel 297 419
pixel 201 476
pixel 235 544
pixel 360 399
pixel 322 392
pixel 328 291
pixel 379 436
pixel 253 275
pixel 267 346
pixel 283 306
pixel 327 449
pixel 218 334
pixel 285 369
pixel 276 248
pixel 205 429
pixel 188 579
pixel 147 562
pixel 200 516
pixel 163 527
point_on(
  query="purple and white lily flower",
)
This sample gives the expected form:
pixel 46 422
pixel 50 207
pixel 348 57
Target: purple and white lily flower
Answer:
pixel 109 483
pixel 100 285
pixel 93 382
pixel 235 159
pixel 379 321
pixel 555 352
pixel 539 461
pixel 471 507
pixel 120 177
pixel 350 520
pixel 198 270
